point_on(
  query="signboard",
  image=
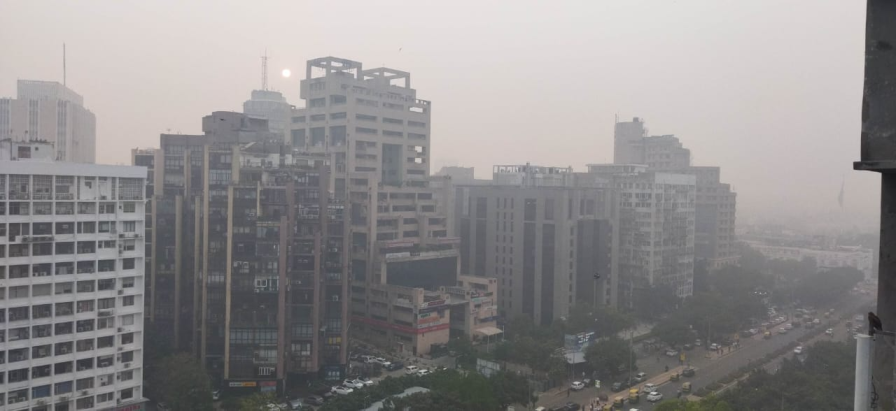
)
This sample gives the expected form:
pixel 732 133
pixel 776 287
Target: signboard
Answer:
pixel 268 386
pixel 242 384
pixel 487 368
pixel 578 342
pixel 433 303
pixel 427 319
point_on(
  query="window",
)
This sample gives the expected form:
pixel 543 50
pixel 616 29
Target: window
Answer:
pixel 109 396
pixel 62 388
pixel 298 119
pixel 106 303
pixel 105 342
pixel 127 320
pixel 127 338
pixel 129 207
pixel 127 264
pixel 84 384
pixel 43 390
pixel 130 226
pixel 337 116
pixel 128 300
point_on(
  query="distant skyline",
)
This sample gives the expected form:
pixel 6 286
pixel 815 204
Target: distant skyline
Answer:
pixel 769 91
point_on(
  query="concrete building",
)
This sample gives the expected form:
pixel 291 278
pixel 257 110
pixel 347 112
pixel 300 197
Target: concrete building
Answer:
pixel 656 220
pixel 375 132
pixel 459 175
pixel 716 203
pixel 49 111
pixel 273 107
pixel 474 307
pixel 71 283
pixel 249 263
pixel 861 259
pixel 543 237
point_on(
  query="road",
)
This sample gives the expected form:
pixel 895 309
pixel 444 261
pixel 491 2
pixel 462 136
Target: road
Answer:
pixel 713 368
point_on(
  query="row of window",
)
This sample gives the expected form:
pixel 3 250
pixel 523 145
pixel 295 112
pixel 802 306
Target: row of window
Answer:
pixel 63 348
pixel 82 403
pixel 64 308
pixel 62 208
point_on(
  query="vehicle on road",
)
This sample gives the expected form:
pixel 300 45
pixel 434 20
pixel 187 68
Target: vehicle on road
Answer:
pixel 675 376
pixel 618 402
pixel 641 377
pixel 671 353
pixel 686 387
pixel 798 350
pixel 782 331
pixel 296 404
pixel 649 387
pixel 713 346
pixel 397 365
pixel 788 326
pixel 768 334
pixel 698 343
pixel 423 372
pixel 688 347
pixel 342 390
pixel 366 381
pixel 654 396
pixel 369 359
pixel 577 385
pixel 634 396
pixel 829 331
pixel 618 386
pixel 411 369
pixel 689 372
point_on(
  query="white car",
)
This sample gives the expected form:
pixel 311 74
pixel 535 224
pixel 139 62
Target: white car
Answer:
pixel 641 376
pixel 649 387
pixel 798 350
pixel 383 362
pixel 352 384
pixel 366 381
pixel 342 390
pixel 411 369
pixel 788 327
pixel 816 321
pixel 829 331
pixel 423 371
pixel 713 346
pixel 654 396
pixel 577 385
pixel 671 353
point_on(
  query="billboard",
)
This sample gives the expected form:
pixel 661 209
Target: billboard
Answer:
pixel 578 342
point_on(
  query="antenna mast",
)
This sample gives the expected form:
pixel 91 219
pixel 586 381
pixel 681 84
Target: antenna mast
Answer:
pixel 63 64
pixel 264 70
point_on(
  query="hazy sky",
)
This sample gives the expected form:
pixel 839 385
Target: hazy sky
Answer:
pixel 770 90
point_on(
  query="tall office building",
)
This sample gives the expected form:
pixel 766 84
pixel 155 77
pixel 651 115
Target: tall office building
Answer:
pixel 656 219
pixel 71 282
pixel 271 106
pixel 48 111
pixel 716 203
pixel 545 233
pixel 248 254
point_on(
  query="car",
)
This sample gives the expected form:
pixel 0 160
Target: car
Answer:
pixel 338 389
pixel 782 331
pixel 411 369
pixel 816 321
pixel 674 376
pixel 713 346
pixel 649 387
pixel 641 376
pixel 296 404
pixel 671 353
pixel 216 394
pixel 689 372
pixel 397 365
pixel 618 386
pixel 789 326
pixel 829 331
pixel 366 381
pixel 352 383
pixel 577 385
pixel 276 407
pixel 369 359
pixel 314 400
pixel 654 396
pixel 798 350
pixel 423 371
pixel 570 406
pixel 384 362
pixel 688 347
pixel 754 331
pixel 698 343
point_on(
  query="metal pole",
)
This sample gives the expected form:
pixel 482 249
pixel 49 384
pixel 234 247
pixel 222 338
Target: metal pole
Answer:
pixel 862 401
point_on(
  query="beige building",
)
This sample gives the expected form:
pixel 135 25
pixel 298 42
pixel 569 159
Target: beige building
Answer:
pixel 474 307
pixel 49 111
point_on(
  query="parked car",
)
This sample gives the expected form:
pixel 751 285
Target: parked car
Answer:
pixel 163 407
pixel 314 400
pixel 654 396
pixel 688 372
pixel 397 365
pixel 698 343
pixel 342 390
pixel 829 331
pixel 798 350
pixel 618 386
pixel 671 353
pixel 640 377
pixel 369 359
pixel 423 372
pixel 649 387
pixel 577 385
pixel 296 404
pixel 688 347
pixel 366 381
pixel 411 369
pixel 352 383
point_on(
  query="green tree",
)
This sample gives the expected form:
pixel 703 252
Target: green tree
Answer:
pixel 673 331
pixel 182 383
pixel 157 345
pixel 257 401
pixel 609 357
pixel 510 388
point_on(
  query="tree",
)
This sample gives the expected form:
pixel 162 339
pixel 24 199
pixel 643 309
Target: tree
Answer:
pixel 673 331
pixel 609 357
pixel 654 302
pixel 510 388
pixel 181 383
pixel 157 345
pixel 257 401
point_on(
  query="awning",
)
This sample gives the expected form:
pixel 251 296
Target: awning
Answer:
pixel 575 357
pixel 489 331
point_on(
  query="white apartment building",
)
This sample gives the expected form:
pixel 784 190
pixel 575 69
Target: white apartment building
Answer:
pixel 48 111
pixel 861 259
pixel 71 284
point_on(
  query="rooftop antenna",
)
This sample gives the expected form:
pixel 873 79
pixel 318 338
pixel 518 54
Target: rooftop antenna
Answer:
pixel 264 70
pixel 63 64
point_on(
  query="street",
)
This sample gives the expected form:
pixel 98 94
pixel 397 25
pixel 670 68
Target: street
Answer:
pixel 713 367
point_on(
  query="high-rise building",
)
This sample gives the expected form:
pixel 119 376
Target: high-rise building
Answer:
pixel 655 217
pixel 71 282
pixel 48 111
pixel 716 203
pixel 249 250
pixel 271 106
pixel 545 236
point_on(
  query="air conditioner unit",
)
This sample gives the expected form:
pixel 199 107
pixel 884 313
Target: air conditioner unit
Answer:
pixel 127 365
pixel 120 349
pixel 120 329
pixel 120 292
